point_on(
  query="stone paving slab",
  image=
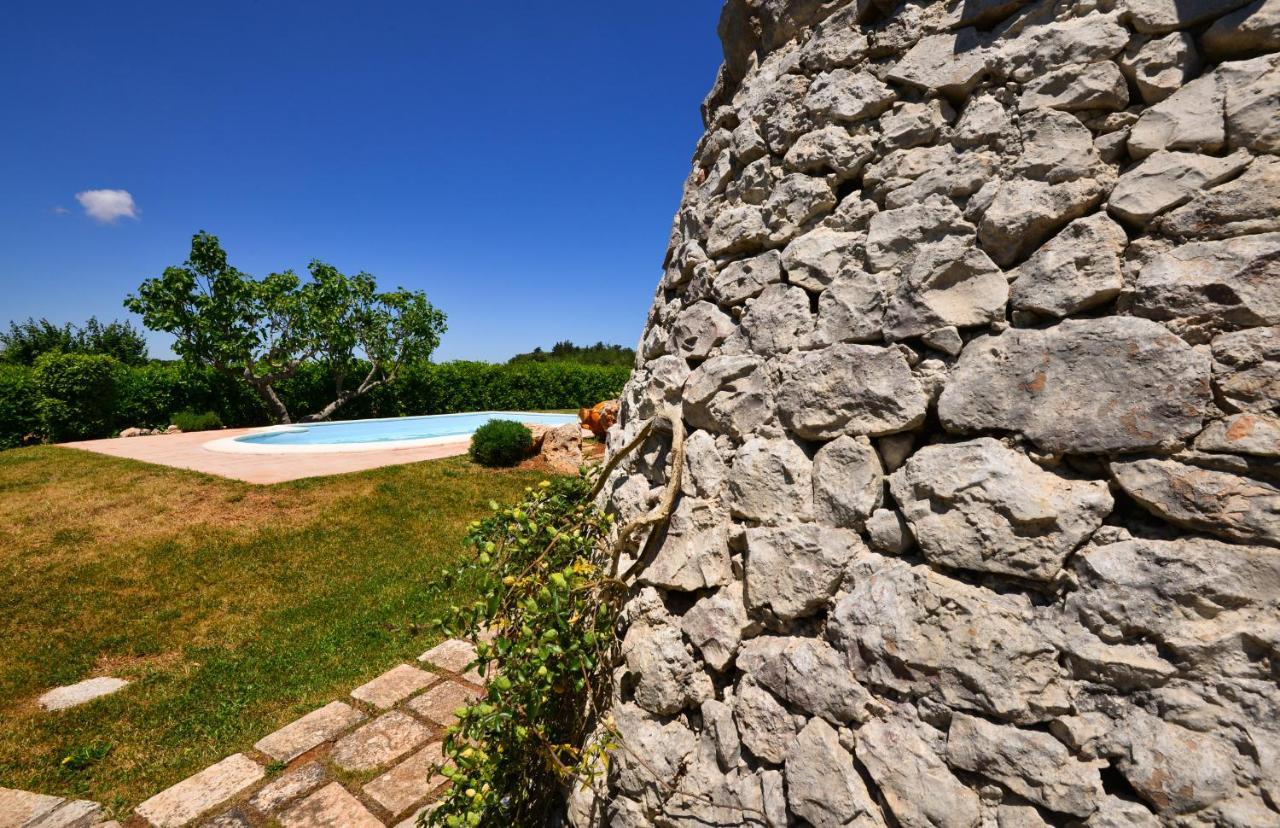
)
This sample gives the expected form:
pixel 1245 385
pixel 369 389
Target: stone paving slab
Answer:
pixel 60 698
pixel 453 655
pixel 439 703
pixel 409 782
pixel 287 787
pixel 199 794
pixel 17 808
pixel 393 686
pixel 79 813
pixel 330 807
pixel 315 728
pixel 380 742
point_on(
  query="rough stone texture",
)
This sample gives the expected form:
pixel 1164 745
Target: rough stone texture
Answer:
pixel 393 686
pixel 296 738
pixel 454 655
pixel 72 695
pixel 199 794
pixel 980 364
pixel 405 785
pixel 289 786
pixel 380 742
pixel 439 703
pixel 330 807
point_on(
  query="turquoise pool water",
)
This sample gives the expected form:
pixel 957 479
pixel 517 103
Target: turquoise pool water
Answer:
pixel 393 430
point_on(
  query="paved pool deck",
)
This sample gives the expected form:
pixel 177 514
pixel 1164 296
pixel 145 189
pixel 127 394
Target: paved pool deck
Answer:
pixel 187 451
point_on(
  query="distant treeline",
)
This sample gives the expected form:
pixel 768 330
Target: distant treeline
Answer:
pixel 597 354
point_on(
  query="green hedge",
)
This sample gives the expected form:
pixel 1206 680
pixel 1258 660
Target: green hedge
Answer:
pixel 74 399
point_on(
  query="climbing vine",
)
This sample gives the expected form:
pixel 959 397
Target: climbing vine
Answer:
pixel 545 571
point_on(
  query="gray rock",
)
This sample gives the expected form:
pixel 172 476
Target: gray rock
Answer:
pixel 851 309
pixel 888 533
pixel 848 95
pixel 1257 434
pixel 1076 270
pixel 797 200
pixel 1073 88
pixel 1161 65
pixel 1175 769
pixel 771 480
pixel 1025 212
pixel 984 507
pixel 814 260
pixel 950 282
pixel 946 339
pixel 668 680
pixel 1234 281
pixel 1057 147
pixel 914 631
pixel 918 788
pixel 952 175
pixel 809 675
pixel 984 122
pixel 694 555
pixel 778 320
pixel 698 329
pixel 950 63
pixel 1021 816
pixel 1084 386
pixel 765 726
pixel 705 471
pixel 1252 91
pixel 1243 206
pixel 913 124
pixel 754 184
pixel 1246 370
pixel 717 717
pixel 729 395
pixel 716 625
pixel 739 281
pixel 1167 179
pixel 1216 502
pixel 1033 765
pixel 848 389
pixel 1248 31
pixel 1167 15
pixel 739 229
pixel 1030 46
pixel 654 747
pixel 823 787
pixel 893 236
pixel 1115 812
pixel 831 149
pixel 848 482
pixel 82 692
pixel 1189 119
pixel 792 571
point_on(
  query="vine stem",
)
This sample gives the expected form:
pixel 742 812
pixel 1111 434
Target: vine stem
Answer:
pixel 661 511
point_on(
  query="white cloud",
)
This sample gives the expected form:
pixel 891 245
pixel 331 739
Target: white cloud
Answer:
pixel 107 205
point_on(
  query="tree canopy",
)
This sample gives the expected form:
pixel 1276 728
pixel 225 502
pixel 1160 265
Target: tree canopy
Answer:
pixel 566 351
pixel 26 341
pixel 264 330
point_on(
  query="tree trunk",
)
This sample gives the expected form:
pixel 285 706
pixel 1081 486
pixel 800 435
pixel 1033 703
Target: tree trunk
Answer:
pixel 274 405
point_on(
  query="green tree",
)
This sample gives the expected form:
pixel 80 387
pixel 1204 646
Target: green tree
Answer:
pixel 264 331
pixel 27 341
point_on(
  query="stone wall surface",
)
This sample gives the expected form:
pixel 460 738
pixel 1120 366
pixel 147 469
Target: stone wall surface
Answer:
pixel 972 311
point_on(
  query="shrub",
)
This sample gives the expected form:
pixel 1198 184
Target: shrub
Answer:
pixel 191 421
pixel 77 395
pixel 19 405
pixel 500 443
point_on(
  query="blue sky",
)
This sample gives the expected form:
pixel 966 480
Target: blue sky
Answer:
pixel 518 161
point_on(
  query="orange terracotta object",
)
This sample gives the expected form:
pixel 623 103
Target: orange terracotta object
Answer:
pixel 599 417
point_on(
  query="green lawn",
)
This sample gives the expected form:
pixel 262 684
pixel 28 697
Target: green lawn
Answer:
pixel 233 608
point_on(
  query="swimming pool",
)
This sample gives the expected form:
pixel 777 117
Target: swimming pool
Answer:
pixel 374 435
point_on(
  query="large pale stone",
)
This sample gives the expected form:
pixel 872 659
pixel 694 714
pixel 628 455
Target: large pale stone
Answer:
pixel 1165 180
pixel 1175 769
pixel 1084 386
pixel 730 395
pixel 1072 88
pixel 1189 119
pixel 1160 66
pixel 1242 206
pixel 848 482
pixel 737 229
pixel 1076 270
pixel 984 507
pixel 329 807
pixel 766 728
pixel 823 787
pixel 851 309
pixel 409 782
pixel 1168 15
pixel 1025 212
pixel 380 742
pixel 199 794
pixel 1250 30
pixel 73 695
pixel 808 674
pixel 393 686
pixel 1257 434
pixel 914 124
pixel 1056 148
pixel 716 624
pixel 695 552
pixel 1031 45
pixel 440 704
pixel 830 149
pixel 915 631
pixel 1033 765
pixel 317 727
pixel 667 678
pixel 653 747
pixel 454 655
pixel 848 389
pixel 895 236
pixel 1246 369
pixel 771 480
pixel 796 201
pixel 792 571
pixel 287 787
pixel 698 329
pixel 739 281
pixel 1236 281
pixel 1217 502
pixel 778 320
pixel 918 788
pixel 848 95
pixel 814 260
pixel 983 122
pixel 951 63
pixel 950 283
pixel 1252 90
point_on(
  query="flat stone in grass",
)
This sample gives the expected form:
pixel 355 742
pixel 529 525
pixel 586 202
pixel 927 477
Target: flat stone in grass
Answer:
pixel 288 787
pixel 317 727
pixel 380 742
pixel 438 703
pixel 60 698
pixel 197 795
pixel 329 807
pixel 409 782
pixel 72 814
pixel 393 686
pixel 453 655
pixel 23 808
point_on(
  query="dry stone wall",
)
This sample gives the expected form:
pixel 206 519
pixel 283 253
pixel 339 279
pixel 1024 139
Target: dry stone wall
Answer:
pixel 972 312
